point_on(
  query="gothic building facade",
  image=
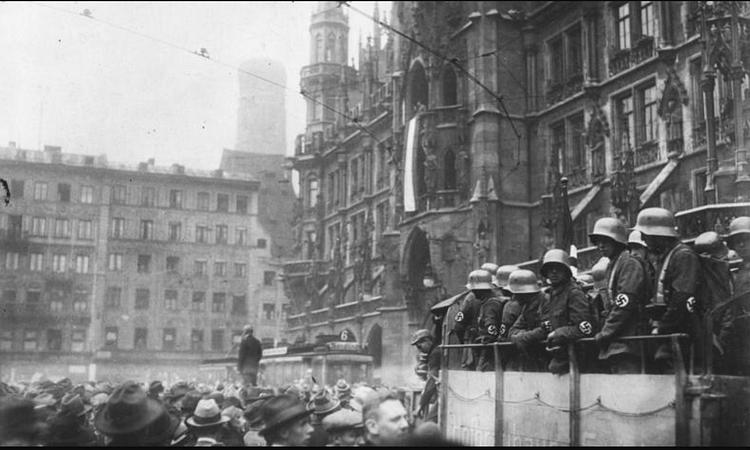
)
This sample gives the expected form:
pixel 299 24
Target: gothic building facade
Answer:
pixel 448 146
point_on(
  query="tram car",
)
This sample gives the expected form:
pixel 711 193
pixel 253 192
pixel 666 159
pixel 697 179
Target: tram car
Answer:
pixel 692 407
pixel 321 364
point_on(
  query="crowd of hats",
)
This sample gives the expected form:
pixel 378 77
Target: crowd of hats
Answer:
pixel 118 410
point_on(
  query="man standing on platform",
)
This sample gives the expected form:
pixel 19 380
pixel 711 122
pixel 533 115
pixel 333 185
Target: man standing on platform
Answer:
pixel 249 357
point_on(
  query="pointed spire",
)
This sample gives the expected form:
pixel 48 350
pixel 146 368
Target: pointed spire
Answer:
pixel 477 192
pixel 491 194
pixel 376 26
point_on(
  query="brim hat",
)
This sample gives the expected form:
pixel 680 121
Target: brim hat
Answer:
pixel 323 403
pixel 344 419
pixel 177 391
pixel 342 388
pixel 280 410
pixel 127 411
pixel 72 405
pixel 207 414
pixel 419 335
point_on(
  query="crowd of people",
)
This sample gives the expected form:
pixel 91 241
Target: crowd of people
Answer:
pixel 46 413
pixel 647 283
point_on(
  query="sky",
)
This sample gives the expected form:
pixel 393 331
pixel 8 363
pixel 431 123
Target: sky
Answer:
pixel 127 84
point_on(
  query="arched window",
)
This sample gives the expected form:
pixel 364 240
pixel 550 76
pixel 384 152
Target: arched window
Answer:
pixel 450 87
pixel 330 47
pixel 312 192
pixel 418 92
pixel 449 170
pixel 318 48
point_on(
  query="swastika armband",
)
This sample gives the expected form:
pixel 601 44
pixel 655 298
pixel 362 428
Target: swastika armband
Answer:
pixel 546 326
pixel 622 300
pixel 492 329
pixel 460 316
pixel 585 327
pixel 503 330
pixel 690 304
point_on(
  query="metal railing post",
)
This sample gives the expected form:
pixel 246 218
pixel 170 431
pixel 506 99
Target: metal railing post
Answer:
pixel 574 417
pixel 499 397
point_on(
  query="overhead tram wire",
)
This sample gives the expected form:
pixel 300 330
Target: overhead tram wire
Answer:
pixel 353 120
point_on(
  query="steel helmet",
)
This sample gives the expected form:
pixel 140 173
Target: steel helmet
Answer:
pixel 479 279
pixel 489 267
pixel 740 225
pixel 710 242
pixel 523 281
pixel 503 273
pixel 636 238
pixel 556 256
pixel 610 227
pixel 656 222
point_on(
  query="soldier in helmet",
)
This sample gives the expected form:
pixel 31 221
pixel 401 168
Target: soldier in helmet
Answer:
pixel 736 336
pixel 425 343
pixel 627 288
pixel 512 307
pixel 638 248
pixel 524 287
pixel 673 306
pixel 487 318
pixel 492 269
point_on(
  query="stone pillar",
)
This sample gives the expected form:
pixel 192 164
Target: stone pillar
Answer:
pixel 708 80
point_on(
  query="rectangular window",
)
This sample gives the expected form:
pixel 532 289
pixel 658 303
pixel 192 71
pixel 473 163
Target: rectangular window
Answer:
pixel 222 233
pixel 175 198
pixel 114 262
pixel 577 153
pixel 87 194
pixel 261 243
pixel 147 229
pixel 242 202
pixel 56 303
pixel 219 304
pixel 169 340
pixel 648 22
pixel 40 191
pixel 54 340
pixel 217 340
pixel 171 301
pixel 30 341
pixel 575 52
pixel 118 227
pixel 175 231
pixel 201 234
pixel 15 225
pixel 269 311
pixel 38 226
pixel 119 194
pixel 62 228
pixel 111 336
pixel 78 341
pixel 6 340
pixel 36 262
pixel 82 264
pixel 11 260
pixel 196 340
pixel 140 338
pixel 241 237
pixel 220 269
pixel 202 201
pixel 557 62
pixel 16 188
pixel 142 298
pixel 33 296
pixel 239 304
pixel 63 192
pixel 240 270
pixel 144 263
pixel 268 277
pixel 222 203
pixel 199 301
pixel 648 122
pixel 173 263
pixel 84 229
pixel 114 297
pixel 623 26
pixel 625 123
pixel 59 263
pixel 9 296
pixel 148 196
pixel 81 301
pixel 201 268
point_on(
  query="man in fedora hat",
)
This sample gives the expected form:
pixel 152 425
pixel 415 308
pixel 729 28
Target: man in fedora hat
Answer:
pixel 345 428
pixel 70 427
pixel 343 392
pixel 286 422
pixel 322 405
pixel 130 418
pixel 208 425
pixel 250 354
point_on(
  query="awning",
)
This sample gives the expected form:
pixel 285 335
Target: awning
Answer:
pixel 590 195
pixel 658 180
pixel 448 301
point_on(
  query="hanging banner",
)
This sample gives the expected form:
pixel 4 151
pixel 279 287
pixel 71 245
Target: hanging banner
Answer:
pixel 410 200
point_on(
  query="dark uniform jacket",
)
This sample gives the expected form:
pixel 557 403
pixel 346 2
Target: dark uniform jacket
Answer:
pixel 511 311
pixel 250 353
pixel 676 284
pixel 627 290
pixel 489 319
pixel 465 320
pixel 569 313
pixel 527 329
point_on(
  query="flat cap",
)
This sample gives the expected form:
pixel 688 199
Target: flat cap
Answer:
pixel 343 419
